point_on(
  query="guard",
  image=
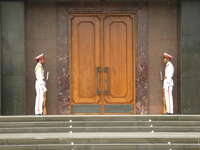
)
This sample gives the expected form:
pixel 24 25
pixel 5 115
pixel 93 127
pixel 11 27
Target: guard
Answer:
pixel 40 86
pixel 168 83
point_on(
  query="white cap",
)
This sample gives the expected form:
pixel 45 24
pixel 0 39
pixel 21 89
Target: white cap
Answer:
pixel 39 56
pixel 167 55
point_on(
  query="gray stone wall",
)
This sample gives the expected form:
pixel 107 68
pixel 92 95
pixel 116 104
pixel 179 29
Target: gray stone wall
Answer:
pixel 12 58
pixel 190 56
pixel 0 61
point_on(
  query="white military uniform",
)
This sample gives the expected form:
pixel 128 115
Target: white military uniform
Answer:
pixel 40 87
pixel 168 86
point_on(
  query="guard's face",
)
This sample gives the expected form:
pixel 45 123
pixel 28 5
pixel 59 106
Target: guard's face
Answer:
pixel 42 60
pixel 165 60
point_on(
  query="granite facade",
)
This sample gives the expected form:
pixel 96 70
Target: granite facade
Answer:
pixel 162 37
pixel 41 38
pixel 189 57
pixel 63 61
pixel 12 55
pixel 142 87
pixel 48 26
pixel 63 50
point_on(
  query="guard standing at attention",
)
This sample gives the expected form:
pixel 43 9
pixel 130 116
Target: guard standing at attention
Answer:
pixel 168 83
pixel 40 86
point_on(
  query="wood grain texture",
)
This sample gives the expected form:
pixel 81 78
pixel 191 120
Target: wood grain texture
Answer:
pixel 118 57
pixel 104 41
pixel 85 58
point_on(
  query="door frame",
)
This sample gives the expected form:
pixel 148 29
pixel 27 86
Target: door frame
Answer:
pixel 82 12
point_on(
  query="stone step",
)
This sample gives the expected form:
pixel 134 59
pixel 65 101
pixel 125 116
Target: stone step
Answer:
pixel 99 138
pixel 100 118
pixel 147 129
pixel 97 123
pixel 81 132
pixel 103 147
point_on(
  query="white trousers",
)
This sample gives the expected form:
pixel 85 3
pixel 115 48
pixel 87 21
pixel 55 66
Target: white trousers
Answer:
pixel 39 100
pixel 169 99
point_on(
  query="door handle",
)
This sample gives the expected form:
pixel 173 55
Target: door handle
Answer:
pixel 106 81
pixel 98 71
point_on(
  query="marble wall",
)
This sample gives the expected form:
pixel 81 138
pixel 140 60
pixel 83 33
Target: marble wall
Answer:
pixel 12 58
pixel 41 32
pixel 47 28
pixel 63 52
pixel 189 57
pixel 162 37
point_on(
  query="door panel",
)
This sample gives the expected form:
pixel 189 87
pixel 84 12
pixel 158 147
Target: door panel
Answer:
pixel 118 57
pixel 85 59
pixel 104 42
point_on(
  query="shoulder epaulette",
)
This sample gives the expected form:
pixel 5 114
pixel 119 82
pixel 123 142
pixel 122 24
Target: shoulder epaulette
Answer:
pixel 38 66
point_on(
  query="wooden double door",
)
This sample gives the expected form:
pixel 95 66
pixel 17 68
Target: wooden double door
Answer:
pixel 103 64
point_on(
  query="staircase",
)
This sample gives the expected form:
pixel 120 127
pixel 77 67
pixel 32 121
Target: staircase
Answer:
pixel 127 132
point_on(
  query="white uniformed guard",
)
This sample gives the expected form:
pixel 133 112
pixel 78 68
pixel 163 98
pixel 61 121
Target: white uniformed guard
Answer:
pixel 40 85
pixel 168 83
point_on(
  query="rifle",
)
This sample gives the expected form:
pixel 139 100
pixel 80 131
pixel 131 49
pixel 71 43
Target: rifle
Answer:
pixel 45 107
pixel 163 95
pixel 45 98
